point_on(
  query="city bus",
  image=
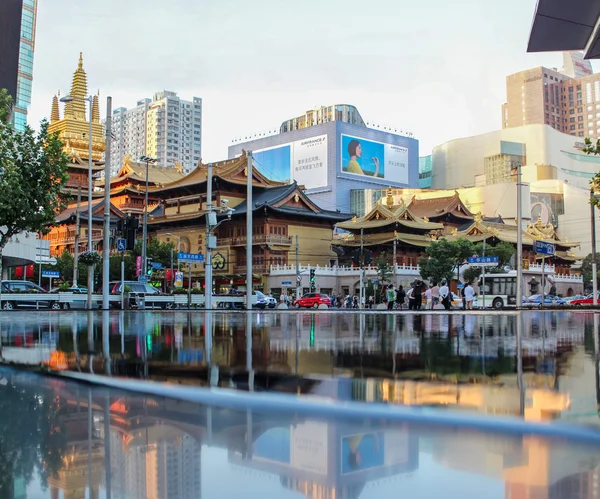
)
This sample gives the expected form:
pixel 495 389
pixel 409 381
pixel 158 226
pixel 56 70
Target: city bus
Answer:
pixel 500 290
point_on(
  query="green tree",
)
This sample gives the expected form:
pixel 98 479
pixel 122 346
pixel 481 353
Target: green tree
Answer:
pixel 586 268
pixel 33 172
pixel 471 274
pixel 5 106
pixel 385 272
pixel 503 250
pixel 444 258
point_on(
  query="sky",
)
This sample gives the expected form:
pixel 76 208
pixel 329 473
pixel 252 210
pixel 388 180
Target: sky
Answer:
pixel 434 68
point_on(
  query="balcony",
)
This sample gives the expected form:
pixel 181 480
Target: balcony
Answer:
pixel 370 270
pixel 257 239
pixel 256 269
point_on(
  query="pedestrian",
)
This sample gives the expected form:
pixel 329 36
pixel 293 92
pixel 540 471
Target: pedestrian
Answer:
pixel 445 295
pixel 469 294
pixel 400 296
pixel 282 298
pixel 355 302
pixel 418 294
pixel 371 301
pixel 428 300
pixel 410 297
pixel 435 295
pixel 462 294
pixel 390 295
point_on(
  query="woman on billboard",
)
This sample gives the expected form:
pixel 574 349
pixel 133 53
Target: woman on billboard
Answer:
pixel 355 152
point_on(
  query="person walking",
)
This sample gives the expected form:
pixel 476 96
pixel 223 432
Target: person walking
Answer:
pixel 469 294
pixel 445 295
pixel 390 296
pixel 400 296
pixel 418 294
pixel 428 300
pixel 410 297
pixel 435 295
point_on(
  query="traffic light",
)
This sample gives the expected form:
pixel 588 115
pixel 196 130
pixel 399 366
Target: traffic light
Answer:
pixel 149 266
pixel 312 280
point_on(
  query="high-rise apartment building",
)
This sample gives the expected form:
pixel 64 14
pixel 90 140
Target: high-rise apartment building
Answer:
pixel 337 112
pixel 165 127
pixel 17 41
pixel 570 104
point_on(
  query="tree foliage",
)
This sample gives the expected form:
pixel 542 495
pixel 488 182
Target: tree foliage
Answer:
pixel 503 250
pixel 31 438
pixel 444 258
pixel 586 268
pixel 471 274
pixel 33 172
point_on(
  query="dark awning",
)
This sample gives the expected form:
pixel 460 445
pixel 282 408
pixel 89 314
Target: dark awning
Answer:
pixel 560 25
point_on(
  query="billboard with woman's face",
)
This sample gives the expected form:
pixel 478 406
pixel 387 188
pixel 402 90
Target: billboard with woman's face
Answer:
pixel 368 158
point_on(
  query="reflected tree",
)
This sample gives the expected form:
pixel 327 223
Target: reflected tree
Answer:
pixel 31 439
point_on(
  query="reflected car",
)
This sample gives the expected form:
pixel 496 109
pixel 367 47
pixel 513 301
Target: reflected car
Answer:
pixel 312 300
pixel 26 287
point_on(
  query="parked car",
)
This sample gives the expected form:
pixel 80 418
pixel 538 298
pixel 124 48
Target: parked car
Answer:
pixel 18 286
pixel 261 300
pixel 312 300
pixel 139 288
pixel 588 300
pixel 76 290
pixel 536 300
pixel 271 302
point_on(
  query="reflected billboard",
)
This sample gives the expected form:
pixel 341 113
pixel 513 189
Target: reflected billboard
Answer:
pixel 304 161
pixel 369 158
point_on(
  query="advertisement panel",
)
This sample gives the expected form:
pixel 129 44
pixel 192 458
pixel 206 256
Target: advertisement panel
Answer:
pixel 304 161
pixel 369 158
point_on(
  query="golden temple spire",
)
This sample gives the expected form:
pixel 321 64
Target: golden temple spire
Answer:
pixel 55 115
pixel 96 109
pixel 76 108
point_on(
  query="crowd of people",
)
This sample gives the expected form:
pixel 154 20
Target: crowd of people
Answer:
pixel 417 296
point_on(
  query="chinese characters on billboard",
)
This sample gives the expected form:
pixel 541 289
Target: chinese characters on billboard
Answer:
pixel 304 161
pixel 374 159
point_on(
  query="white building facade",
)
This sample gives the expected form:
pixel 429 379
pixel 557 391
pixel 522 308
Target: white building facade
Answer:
pixel 165 127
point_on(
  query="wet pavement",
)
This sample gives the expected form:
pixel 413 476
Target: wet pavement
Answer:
pixel 61 439
pixel 541 368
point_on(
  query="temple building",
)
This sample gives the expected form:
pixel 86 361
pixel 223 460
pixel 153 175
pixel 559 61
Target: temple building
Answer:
pixel 73 129
pixel 280 213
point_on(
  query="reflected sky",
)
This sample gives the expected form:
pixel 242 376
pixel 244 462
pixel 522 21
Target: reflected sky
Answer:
pixel 116 444
pixel 541 366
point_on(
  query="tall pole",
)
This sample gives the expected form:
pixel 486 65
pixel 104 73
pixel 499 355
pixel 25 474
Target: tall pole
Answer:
pixel 249 206
pixel 90 282
pixel 543 282
pixel 172 274
pixel 594 262
pixel 208 278
pixel 145 227
pixel 106 240
pixel 297 269
pixel 77 230
pixel 519 239
pixel 483 279
pixel 362 261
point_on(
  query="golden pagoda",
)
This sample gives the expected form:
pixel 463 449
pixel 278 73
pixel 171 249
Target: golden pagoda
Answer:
pixel 74 129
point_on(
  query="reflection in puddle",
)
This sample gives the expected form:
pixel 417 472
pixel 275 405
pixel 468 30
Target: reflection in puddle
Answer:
pixel 99 442
pixel 541 368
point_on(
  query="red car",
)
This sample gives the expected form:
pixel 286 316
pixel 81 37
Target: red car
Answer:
pixel 589 300
pixel 312 300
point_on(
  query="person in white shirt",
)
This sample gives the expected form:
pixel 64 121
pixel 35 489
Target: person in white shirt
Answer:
pixel 428 300
pixel 469 296
pixel 444 293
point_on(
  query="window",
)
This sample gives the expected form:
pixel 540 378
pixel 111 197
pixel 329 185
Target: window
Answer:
pixel 571 111
pixel 590 116
pixel 580 134
pixel 572 127
pixel 572 120
pixel 580 110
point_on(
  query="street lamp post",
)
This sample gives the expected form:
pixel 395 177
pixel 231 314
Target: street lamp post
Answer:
pixel 594 262
pixel 90 283
pixel 146 160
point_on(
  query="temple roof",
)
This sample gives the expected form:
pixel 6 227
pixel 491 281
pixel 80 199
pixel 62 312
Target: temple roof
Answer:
pixel 158 176
pixel 230 170
pixel 383 215
pixel 439 207
pixel 69 214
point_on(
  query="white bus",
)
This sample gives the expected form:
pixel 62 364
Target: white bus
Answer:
pixel 500 290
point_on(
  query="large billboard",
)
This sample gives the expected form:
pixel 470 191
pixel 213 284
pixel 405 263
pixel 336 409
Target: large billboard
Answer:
pixel 304 161
pixel 369 158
